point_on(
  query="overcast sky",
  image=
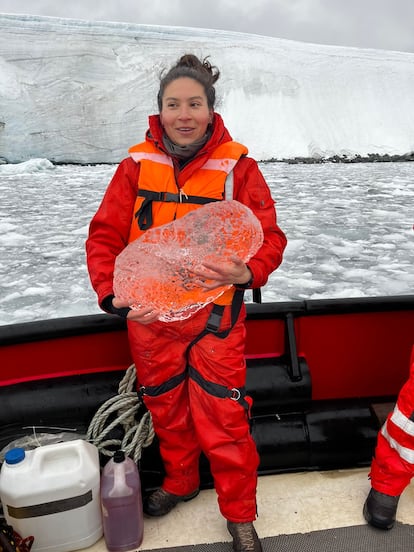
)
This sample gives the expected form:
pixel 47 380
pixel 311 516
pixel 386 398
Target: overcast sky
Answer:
pixel 381 24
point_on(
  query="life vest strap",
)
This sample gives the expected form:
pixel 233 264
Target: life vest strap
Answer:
pixel 180 197
pixel 144 213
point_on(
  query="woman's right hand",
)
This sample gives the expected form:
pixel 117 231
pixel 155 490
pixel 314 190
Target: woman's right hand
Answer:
pixel 145 315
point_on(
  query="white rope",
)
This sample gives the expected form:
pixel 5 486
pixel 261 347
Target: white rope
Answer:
pixel 125 405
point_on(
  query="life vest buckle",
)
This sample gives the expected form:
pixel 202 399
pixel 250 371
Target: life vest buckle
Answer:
pixel 214 320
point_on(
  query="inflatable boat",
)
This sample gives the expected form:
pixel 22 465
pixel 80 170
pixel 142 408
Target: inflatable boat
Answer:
pixel 323 374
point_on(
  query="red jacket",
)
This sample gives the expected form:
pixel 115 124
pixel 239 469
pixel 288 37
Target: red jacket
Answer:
pixel 110 227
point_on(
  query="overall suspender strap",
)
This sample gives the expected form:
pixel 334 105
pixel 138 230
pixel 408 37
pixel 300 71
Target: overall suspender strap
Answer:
pixel 155 390
pixel 235 393
pixel 214 320
pixel 212 326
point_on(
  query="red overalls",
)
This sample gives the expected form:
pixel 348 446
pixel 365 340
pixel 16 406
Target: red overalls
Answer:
pixel 195 391
pixel 393 465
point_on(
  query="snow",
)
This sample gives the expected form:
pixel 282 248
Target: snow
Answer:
pixel 80 92
pixel 349 228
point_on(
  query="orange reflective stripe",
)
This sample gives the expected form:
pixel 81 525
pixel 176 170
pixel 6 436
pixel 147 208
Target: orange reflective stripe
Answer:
pixel 161 158
pixel 226 165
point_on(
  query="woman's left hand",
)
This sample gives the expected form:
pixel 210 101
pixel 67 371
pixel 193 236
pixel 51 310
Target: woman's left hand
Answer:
pixel 234 271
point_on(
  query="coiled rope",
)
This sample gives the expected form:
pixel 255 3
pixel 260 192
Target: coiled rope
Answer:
pixel 125 405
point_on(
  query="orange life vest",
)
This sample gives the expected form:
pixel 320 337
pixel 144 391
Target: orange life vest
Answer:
pixel 160 200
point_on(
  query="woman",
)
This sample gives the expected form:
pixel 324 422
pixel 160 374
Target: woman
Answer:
pixel 192 370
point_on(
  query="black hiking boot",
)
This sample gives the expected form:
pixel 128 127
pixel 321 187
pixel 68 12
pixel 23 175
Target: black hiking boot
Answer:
pixel 160 502
pixel 380 509
pixel 245 538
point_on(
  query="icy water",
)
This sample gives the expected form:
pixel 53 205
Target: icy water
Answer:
pixel 349 226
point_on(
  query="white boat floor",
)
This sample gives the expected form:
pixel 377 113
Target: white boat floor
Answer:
pixel 287 504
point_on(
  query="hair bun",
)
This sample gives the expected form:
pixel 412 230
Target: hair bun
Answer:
pixel 189 65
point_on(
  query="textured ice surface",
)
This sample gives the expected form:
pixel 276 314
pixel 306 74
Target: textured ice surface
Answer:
pixel 80 91
pixel 156 269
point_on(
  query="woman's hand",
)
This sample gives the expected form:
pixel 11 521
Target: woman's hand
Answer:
pixel 145 315
pixel 234 271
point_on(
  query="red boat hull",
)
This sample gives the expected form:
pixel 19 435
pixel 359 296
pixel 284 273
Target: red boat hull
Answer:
pixel 317 372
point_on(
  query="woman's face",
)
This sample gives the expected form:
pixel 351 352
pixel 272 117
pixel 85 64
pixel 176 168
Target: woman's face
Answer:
pixel 185 114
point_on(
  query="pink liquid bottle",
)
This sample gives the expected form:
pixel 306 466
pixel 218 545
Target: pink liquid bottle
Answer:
pixel 121 501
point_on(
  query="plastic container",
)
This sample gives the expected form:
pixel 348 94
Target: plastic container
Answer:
pixel 121 501
pixel 52 494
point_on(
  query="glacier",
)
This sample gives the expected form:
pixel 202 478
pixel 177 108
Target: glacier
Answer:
pixel 75 91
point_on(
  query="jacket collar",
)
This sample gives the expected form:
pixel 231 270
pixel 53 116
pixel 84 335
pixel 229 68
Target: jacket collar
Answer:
pixel 219 135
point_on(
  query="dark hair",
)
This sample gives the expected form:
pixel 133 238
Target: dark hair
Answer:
pixel 191 66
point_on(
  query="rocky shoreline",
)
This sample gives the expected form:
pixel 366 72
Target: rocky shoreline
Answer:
pixel 370 158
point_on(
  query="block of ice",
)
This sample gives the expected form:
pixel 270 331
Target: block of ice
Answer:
pixel 156 270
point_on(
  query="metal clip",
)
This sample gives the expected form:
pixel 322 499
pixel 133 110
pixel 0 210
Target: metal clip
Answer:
pixel 235 394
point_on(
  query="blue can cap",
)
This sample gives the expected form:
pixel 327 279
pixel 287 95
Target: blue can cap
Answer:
pixel 15 455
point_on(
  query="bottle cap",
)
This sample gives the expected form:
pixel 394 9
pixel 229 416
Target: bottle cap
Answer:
pixel 15 455
pixel 119 456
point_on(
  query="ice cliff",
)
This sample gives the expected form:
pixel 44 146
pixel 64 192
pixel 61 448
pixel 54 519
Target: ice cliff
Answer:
pixel 80 92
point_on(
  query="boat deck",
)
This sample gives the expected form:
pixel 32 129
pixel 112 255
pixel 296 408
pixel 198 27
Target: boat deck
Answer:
pixel 287 503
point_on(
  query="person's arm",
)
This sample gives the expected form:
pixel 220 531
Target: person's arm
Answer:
pixel 252 190
pixel 109 231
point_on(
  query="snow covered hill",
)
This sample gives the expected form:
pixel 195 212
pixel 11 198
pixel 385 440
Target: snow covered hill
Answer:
pixel 80 92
